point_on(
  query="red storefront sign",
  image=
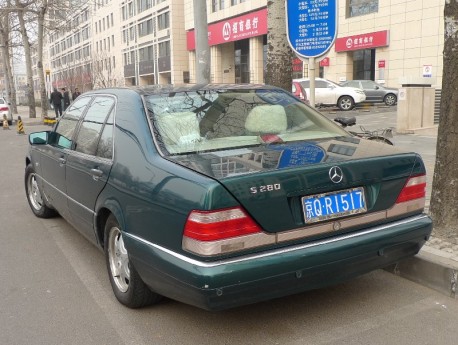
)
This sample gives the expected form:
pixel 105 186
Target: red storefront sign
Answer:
pixel 363 41
pixel 233 29
pixel 381 63
pixel 297 65
pixel 324 62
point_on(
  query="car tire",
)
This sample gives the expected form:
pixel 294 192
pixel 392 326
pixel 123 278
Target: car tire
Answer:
pixel 128 287
pixel 35 196
pixel 390 99
pixel 345 103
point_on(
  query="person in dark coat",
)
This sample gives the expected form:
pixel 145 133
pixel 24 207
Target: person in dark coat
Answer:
pixel 75 94
pixel 56 101
pixel 66 96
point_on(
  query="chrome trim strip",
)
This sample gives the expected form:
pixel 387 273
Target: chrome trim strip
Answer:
pixel 329 226
pixel 276 251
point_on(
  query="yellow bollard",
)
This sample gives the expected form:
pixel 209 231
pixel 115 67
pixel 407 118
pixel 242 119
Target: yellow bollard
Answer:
pixel 20 126
pixel 5 123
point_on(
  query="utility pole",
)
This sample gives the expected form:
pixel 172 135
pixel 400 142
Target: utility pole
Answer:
pixel 202 48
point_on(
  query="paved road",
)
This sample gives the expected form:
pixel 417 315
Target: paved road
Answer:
pixel 55 290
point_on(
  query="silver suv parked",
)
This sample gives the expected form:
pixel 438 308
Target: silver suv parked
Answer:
pixel 375 93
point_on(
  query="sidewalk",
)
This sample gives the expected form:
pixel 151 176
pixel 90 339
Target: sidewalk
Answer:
pixel 436 265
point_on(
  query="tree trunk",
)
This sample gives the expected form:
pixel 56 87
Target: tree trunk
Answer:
pixel 5 49
pixel 279 54
pixel 41 76
pixel 445 183
pixel 28 61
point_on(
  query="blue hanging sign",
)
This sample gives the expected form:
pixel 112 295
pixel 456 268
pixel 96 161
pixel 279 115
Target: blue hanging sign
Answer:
pixel 311 26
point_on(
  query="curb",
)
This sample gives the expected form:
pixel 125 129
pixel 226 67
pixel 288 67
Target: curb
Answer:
pixel 431 267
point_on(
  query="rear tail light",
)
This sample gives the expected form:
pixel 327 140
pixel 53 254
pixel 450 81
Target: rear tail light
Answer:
pixel 415 188
pixel 3 108
pixel 219 225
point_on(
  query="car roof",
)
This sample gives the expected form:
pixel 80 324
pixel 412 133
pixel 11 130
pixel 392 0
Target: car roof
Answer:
pixel 159 89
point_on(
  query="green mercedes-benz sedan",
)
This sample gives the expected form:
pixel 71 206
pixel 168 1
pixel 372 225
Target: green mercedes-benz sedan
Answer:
pixel 224 195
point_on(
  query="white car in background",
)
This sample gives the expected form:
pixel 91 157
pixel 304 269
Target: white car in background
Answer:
pixel 5 109
pixel 328 93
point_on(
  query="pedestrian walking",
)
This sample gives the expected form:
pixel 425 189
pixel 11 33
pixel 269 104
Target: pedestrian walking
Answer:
pixel 56 101
pixel 75 94
pixel 66 97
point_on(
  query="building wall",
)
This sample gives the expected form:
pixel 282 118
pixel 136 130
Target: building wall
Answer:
pixel 416 30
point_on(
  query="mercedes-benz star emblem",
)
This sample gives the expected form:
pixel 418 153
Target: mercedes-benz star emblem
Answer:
pixel 336 174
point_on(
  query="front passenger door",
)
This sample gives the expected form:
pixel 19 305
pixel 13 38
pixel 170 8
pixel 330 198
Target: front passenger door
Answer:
pixel 54 157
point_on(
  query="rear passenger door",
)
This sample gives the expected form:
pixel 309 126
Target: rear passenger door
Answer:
pixel 89 164
pixel 371 90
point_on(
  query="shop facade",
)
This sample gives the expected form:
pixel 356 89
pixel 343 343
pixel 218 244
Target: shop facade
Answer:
pixel 238 46
pixel 378 40
pixel 387 41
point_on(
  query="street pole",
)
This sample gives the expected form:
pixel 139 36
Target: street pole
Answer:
pixel 312 81
pixel 202 47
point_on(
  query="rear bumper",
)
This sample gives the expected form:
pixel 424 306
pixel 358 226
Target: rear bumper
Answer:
pixel 254 278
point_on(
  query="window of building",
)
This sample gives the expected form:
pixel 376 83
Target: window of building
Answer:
pixel 361 7
pixel 164 49
pixel 143 5
pixel 124 13
pixel 163 21
pixel 130 7
pixel 146 54
pixel 217 5
pixel 145 28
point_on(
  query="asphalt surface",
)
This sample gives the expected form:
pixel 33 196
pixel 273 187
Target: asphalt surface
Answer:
pixel 436 266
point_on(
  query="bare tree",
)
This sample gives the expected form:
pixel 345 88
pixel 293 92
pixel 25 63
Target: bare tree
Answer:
pixel 445 183
pixel 103 75
pixel 28 57
pixel 5 47
pixel 279 67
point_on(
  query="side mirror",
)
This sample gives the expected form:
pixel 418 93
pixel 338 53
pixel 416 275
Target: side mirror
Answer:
pixel 38 138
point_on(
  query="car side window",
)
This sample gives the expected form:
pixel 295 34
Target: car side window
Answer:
pixel 66 126
pixel 92 125
pixel 368 85
pixel 320 84
pixel 305 84
pixel 105 147
pixel 353 84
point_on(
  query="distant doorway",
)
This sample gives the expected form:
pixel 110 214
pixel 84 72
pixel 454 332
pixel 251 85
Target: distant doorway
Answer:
pixel 364 64
pixel 242 61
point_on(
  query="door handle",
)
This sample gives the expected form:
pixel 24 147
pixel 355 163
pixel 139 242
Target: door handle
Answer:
pixel 96 173
pixel 62 161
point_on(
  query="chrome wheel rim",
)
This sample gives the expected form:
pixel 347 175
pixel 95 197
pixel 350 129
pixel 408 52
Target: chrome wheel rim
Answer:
pixel 118 260
pixel 34 193
pixel 345 104
pixel 390 100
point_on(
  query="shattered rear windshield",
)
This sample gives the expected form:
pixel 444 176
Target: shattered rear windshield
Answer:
pixel 207 120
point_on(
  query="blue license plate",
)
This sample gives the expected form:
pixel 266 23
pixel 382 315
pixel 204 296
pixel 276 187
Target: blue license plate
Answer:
pixel 333 205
